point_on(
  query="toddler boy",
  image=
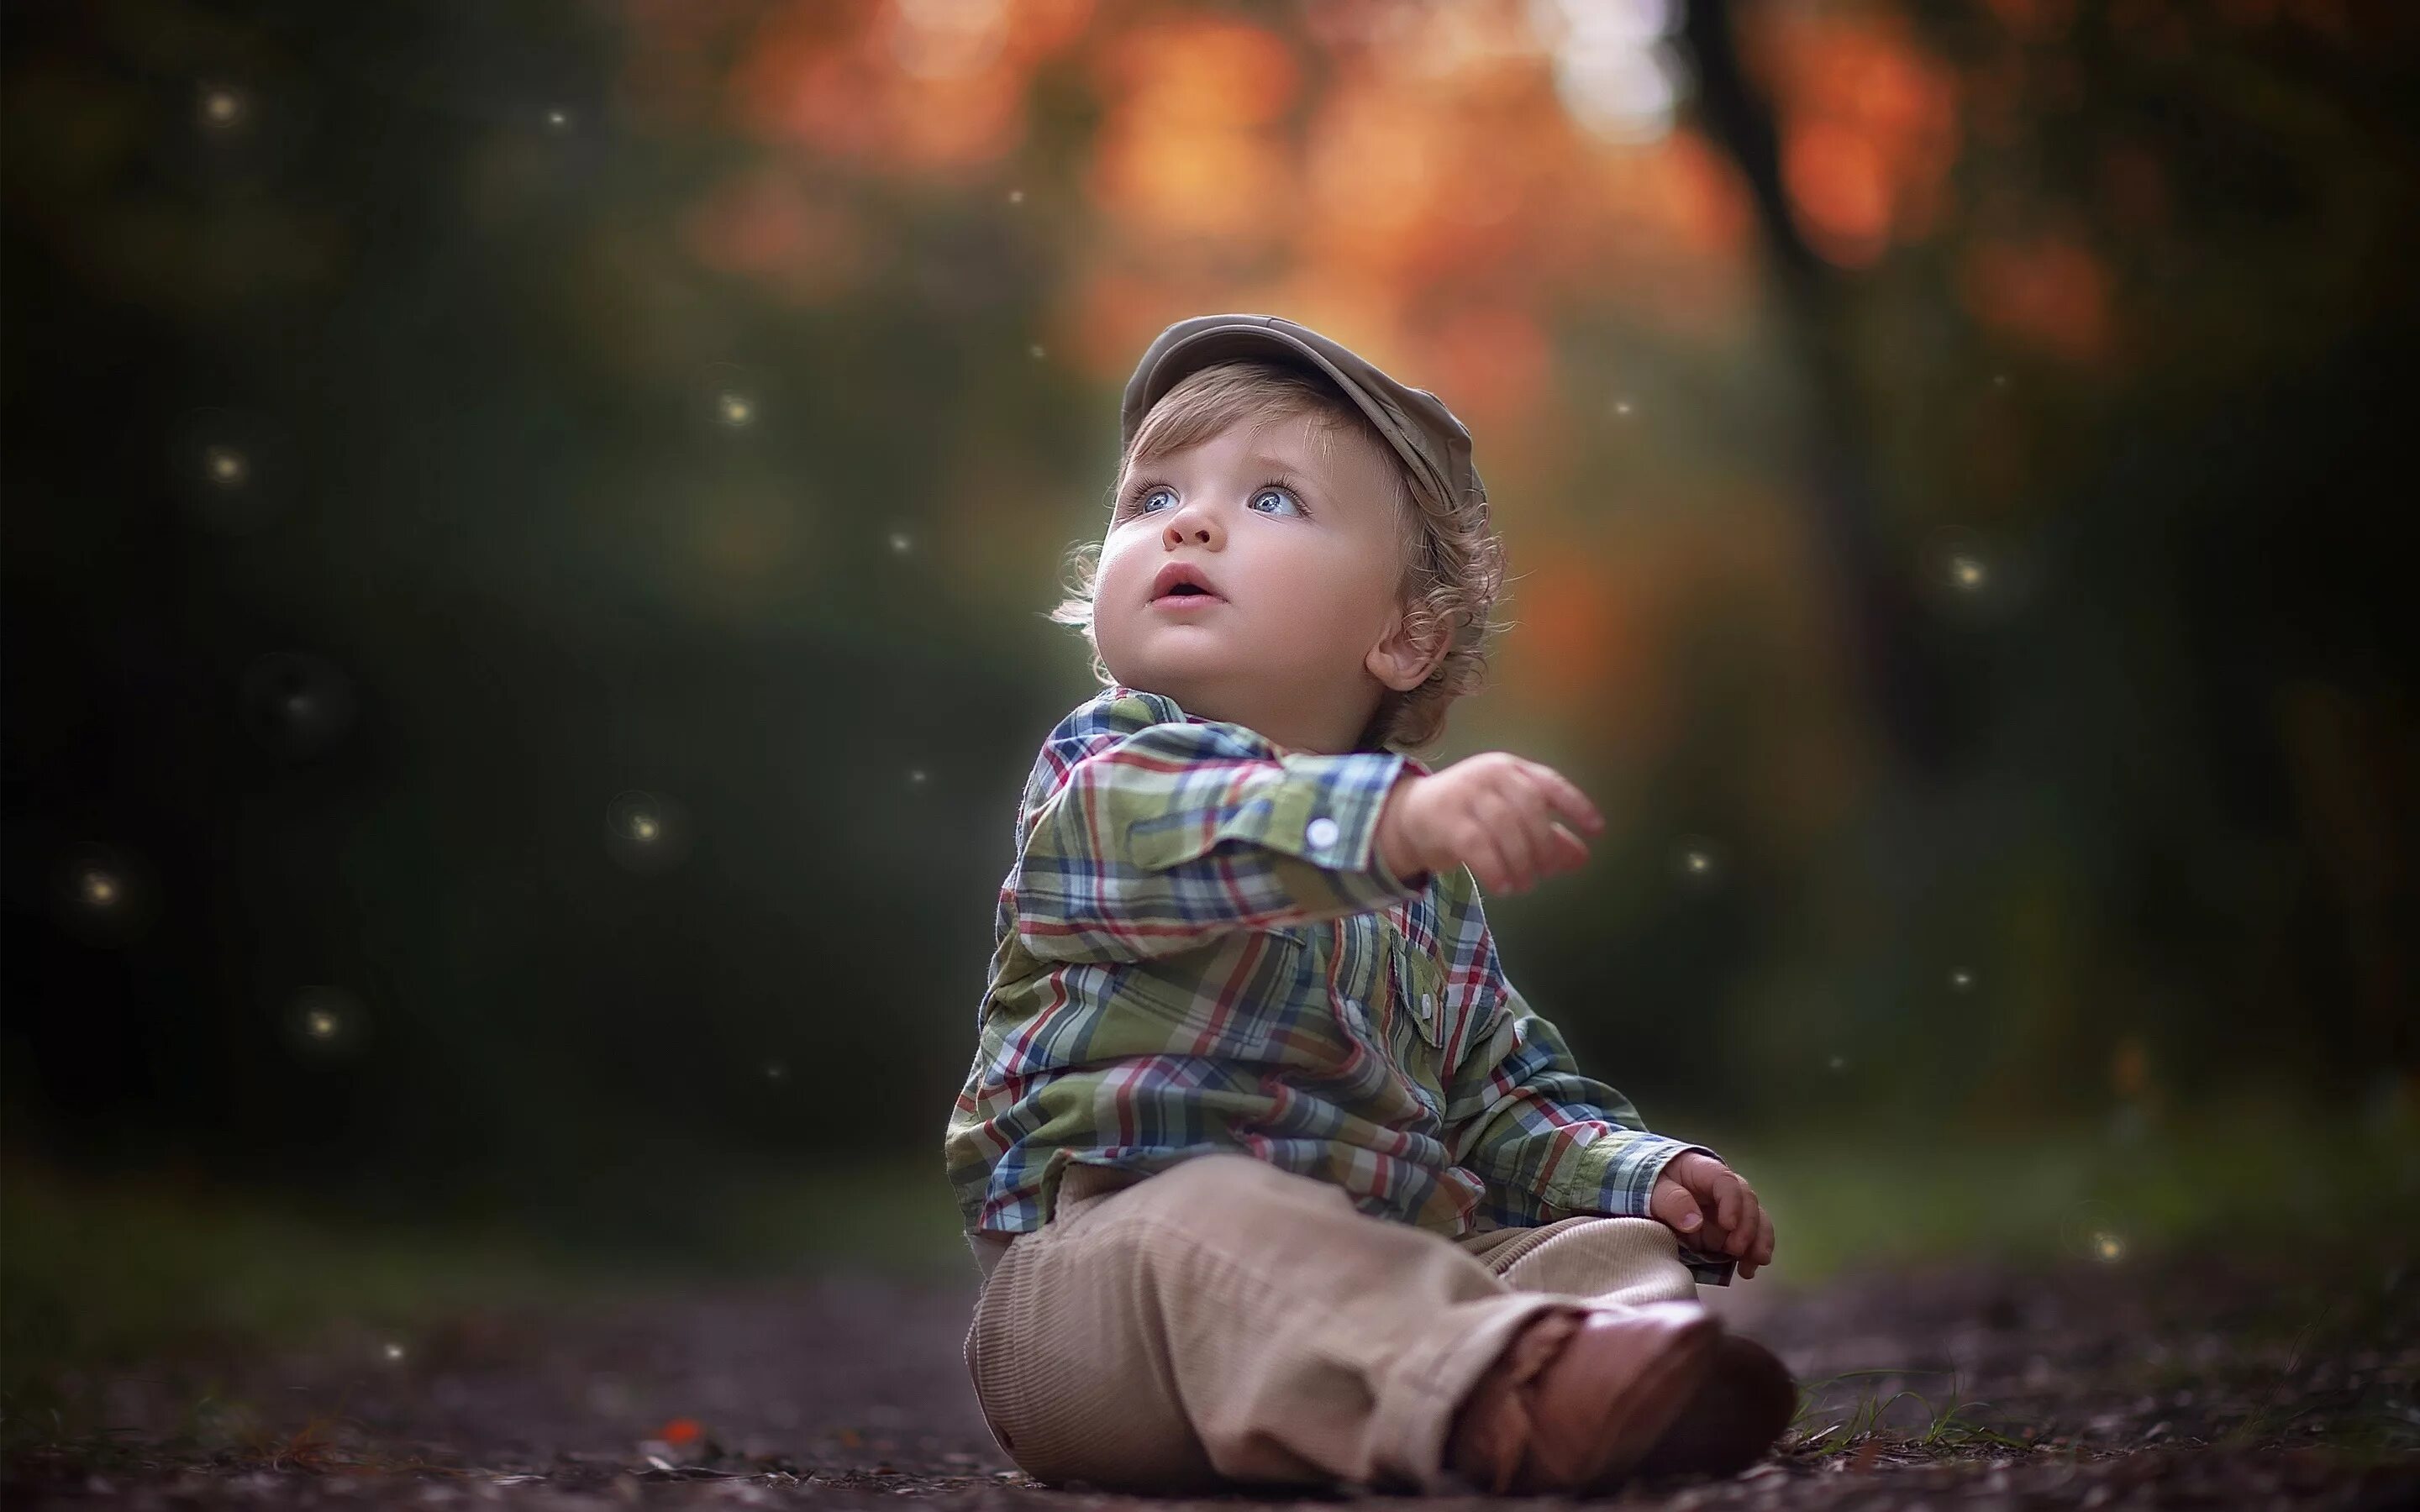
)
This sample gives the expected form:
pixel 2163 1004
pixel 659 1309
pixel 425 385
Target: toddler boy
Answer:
pixel 1273 1176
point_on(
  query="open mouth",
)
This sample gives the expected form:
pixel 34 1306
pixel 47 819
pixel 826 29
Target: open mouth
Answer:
pixel 1186 598
pixel 1182 585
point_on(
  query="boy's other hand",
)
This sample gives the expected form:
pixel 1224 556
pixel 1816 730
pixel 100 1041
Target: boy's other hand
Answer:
pixel 1494 812
pixel 1712 1209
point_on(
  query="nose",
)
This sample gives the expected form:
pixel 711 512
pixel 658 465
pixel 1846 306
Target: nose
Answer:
pixel 1191 524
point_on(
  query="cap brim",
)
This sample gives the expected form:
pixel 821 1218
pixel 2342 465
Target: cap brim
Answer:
pixel 1180 352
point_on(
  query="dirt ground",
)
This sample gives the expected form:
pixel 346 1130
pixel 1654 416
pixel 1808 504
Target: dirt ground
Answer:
pixel 2185 1382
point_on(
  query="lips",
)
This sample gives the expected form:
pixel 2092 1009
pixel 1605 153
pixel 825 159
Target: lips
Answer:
pixel 1182 579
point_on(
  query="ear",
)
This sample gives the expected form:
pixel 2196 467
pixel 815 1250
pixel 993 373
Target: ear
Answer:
pixel 1402 660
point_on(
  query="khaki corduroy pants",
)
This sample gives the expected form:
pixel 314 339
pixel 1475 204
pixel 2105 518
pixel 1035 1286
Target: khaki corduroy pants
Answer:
pixel 1228 1321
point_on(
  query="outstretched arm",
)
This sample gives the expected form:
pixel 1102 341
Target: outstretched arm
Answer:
pixel 1146 833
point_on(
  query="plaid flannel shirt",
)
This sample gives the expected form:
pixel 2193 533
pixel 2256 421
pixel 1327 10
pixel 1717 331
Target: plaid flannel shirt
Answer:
pixel 1199 950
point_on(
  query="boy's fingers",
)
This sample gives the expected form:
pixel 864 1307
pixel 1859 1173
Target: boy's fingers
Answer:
pixel 1710 1238
pixel 1566 797
pixel 1512 836
pixel 1751 1218
pixel 1669 1202
pixel 1558 848
pixel 1764 1235
pixel 1759 1222
pixel 1527 797
pixel 1727 1202
pixel 1487 858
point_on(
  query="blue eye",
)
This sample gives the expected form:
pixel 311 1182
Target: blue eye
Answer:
pixel 1278 493
pixel 1144 497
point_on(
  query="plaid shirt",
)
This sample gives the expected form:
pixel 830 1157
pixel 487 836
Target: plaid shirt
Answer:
pixel 1198 949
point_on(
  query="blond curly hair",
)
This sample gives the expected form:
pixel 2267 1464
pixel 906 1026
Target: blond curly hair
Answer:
pixel 1453 563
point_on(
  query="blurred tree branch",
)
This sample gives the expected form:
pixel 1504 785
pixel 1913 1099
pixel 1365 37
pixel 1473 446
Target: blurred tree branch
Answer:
pixel 1878 608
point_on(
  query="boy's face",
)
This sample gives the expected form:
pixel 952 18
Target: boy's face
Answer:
pixel 1303 557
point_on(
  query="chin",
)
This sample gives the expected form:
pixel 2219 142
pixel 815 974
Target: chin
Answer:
pixel 1181 678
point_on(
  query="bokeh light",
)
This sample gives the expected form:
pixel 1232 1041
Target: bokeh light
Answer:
pixel 324 1021
pixel 297 704
pixel 1700 862
pixel 1615 71
pixel 945 40
pixel 1968 578
pixel 229 467
pixel 2096 1232
pixel 103 894
pixel 222 107
pixel 646 831
pixel 732 398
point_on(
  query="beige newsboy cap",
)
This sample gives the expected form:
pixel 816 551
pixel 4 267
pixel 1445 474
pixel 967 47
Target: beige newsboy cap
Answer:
pixel 1434 445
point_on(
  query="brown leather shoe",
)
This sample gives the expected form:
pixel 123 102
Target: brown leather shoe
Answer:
pixel 1745 1403
pixel 1580 1397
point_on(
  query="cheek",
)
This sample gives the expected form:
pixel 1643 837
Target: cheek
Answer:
pixel 1334 603
pixel 1119 561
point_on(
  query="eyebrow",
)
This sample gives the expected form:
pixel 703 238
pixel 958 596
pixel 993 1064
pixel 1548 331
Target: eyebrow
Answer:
pixel 1272 464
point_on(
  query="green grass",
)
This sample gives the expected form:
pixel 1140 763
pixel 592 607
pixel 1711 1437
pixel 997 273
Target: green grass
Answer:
pixel 1944 1426
pixel 125 1270
pixel 2272 1184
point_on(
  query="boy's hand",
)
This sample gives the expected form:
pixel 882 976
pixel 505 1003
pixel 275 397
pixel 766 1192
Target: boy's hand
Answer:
pixel 1494 812
pixel 1711 1208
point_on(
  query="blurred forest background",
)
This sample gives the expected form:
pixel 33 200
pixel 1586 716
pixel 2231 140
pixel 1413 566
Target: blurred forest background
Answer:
pixel 528 526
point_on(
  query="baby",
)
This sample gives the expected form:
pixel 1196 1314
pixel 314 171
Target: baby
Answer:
pixel 1273 1177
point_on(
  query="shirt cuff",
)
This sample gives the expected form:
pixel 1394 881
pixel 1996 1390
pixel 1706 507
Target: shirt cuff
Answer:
pixel 1614 1173
pixel 1325 811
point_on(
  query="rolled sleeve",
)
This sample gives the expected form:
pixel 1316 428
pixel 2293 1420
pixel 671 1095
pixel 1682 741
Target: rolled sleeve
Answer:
pixel 1148 833
pixel 1614 1174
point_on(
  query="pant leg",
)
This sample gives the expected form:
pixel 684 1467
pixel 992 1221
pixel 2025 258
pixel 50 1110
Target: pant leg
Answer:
pixel 1629 1261
pixel 1226 1320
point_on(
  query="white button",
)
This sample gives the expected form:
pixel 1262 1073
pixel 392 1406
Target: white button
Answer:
pixel 1321 832
pixel 1428 1001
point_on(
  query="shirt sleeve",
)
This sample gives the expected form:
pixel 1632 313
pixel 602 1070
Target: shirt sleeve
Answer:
pixel 1520 1113
pixel 1147 833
